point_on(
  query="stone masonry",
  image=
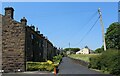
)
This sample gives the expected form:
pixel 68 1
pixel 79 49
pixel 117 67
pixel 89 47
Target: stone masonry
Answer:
pixel 13 41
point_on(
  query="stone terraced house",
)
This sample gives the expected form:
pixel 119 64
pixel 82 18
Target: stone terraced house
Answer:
pixel 22 43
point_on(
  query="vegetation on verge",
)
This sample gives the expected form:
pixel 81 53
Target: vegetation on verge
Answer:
pixel 84 57
pixel 57 59
pixel 44 66
pixel 99 50
pixel 41 66
pixel 107 61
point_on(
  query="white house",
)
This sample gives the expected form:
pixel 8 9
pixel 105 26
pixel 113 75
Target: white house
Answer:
pixel 78 52
pixel 85 50
pixel 68 52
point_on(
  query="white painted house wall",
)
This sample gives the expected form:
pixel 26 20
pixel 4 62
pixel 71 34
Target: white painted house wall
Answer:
pixel 84 51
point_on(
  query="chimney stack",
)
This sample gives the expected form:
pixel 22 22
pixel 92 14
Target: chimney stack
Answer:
pixel 32 27
pixel 41 35
pixel 36 29
pixel 9 12
pixel 23 21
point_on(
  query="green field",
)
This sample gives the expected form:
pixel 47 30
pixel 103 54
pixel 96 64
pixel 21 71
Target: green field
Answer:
pixel 84 57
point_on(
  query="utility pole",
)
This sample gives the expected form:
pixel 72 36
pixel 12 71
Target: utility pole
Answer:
pixel 103 35
pixel 69 46
pixel 119 11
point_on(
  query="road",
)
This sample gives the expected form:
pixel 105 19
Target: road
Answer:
pixel 67 66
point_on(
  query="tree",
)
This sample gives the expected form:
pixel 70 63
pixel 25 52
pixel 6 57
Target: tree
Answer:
pixel 99 50
pixel 72 50
pixel 113 36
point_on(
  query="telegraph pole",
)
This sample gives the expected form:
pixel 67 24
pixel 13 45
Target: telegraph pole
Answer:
pixel 119 11
pixel 69 46
pixel 103 35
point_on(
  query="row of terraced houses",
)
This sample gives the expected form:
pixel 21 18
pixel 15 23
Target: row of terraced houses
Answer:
pixel 22 43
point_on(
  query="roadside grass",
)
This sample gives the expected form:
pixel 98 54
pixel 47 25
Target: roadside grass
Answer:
pixel 101 71
pixel 84 57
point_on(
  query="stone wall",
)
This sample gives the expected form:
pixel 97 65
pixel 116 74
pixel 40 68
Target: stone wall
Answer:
pixel 13 45
pixel 0 42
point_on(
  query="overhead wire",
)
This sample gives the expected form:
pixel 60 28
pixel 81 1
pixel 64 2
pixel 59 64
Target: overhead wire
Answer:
pixel 89 20
pixel 86 24
pixel 87 32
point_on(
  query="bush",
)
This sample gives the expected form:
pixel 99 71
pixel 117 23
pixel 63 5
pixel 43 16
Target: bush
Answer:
pixel 99 50
pixel 42 66
pixel 95 62
pixel 57 59
pixel 50 62
pixel 107 61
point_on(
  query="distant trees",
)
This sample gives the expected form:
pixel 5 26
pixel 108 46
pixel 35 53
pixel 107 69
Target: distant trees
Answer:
pixel 107 61
pixel 72 50
pixel 99 50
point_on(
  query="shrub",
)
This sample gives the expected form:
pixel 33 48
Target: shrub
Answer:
pixel 107 61
pixel 57 59
pixel 99 50
pixel 50 68
pixel 49 62
pixel 42 66
pixel 95 62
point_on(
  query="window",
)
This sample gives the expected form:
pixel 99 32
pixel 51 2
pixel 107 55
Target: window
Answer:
pixel 32 36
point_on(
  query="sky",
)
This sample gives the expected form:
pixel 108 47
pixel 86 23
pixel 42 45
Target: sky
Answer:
pixel 67 22
pixel 119 12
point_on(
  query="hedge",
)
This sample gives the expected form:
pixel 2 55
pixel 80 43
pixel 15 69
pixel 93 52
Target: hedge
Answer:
pixel 57 59
pixel 107 61
pixel 41 66
pixel 44 66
